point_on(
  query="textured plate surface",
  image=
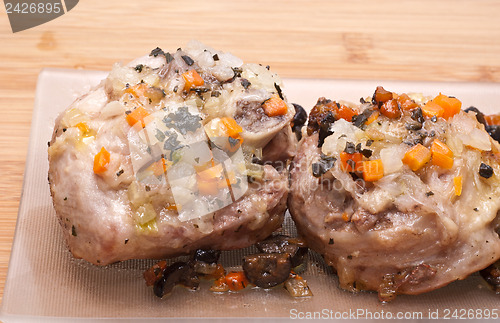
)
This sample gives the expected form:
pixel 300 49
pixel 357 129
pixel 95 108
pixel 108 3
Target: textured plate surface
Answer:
pixel 44 282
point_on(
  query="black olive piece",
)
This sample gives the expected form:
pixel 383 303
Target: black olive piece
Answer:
pixel 350 148
pixel 367 153
pixel 282 244
pixel 417 115
pixel 491 275
pixel 157 51
pixel 207 256
pixel 299 120
pixel 493 131
pixel 278 89
pixel 485 170
pixel 267 270
pixel 479 114
pixel 177 273
pixel 324 128
pixel 188 60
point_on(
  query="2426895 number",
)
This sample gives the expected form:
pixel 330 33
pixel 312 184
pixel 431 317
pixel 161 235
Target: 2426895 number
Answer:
pixel 33 8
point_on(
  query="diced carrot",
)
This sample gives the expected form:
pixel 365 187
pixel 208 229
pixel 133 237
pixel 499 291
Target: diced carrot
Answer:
pixel 441 154
pixel 274 106
pixel 373 117
pixel 439 146
pixel 137 90
pixel 83 127
pixel 457 184
pixel 231 127
pixel 351 162
pixel 450 105
pixel 391 109
pixel 345 217
pixel 373 170
pixel 192 79
pixel 406 103
pixel 137 115
pixel 440 159
pixel 346 113
pixel 236 280
pixel 493 119
pixel 431 109
pixel 381 95
pixel 417 157
pixel 101 161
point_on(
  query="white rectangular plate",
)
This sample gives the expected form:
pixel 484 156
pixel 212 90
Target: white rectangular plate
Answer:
pixel 45 283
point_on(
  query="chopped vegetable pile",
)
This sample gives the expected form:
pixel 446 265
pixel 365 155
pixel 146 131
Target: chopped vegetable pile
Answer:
pixel 276 264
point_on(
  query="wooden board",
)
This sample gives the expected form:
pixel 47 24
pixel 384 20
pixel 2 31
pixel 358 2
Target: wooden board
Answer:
pixel 426 40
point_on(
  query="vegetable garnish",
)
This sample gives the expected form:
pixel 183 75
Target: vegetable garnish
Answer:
pixel 101 161
pixel 351 162
pixel 136 116
pixel 432 109
pixel 450 105
pixel 274 106
pixel 236 280
pixel 441 154
pixel 417 157
pixel 192 79
pixel 373 170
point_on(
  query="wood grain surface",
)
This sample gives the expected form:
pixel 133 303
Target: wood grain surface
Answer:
pixel 448 40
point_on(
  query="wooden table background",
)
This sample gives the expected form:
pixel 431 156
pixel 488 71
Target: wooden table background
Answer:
pixel 447 40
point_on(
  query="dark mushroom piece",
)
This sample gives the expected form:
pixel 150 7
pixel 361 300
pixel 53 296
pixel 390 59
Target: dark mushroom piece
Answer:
pixel 491 275
pixel 283 244
pixel 177 273
pixel 205 261
pixel 267 270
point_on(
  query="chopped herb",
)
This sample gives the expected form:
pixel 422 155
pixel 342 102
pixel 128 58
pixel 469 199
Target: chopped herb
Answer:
pixel 485 170
pixel 215 94
pixel 157 51
pixel 268 67
pixel 369 142
pixel 331 241
pixel 413 126
pixel 278 88
pixel 367 153
pixel 176 88
pixel 476 209
pixel 417 115
pixel 362 100
pixel 147 188
pixel 434 119
pixel 188 60
pixel 239 211
pixel 350 148
pixel 126 241
pixel 169 57
pixel 66 198
pixel 215 57
pixel 64 129
pixel 128 112
pixel 358 147
pixel 119 172
pixel 73 231
pixel 48 143
pixel 360 119
pixel 430 193
pixel 183 121
pixel 171 143
pixel 325 163
pixel 139 67
pixel 245 83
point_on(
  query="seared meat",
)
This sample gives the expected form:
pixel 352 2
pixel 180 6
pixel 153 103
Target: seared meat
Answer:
pixel 387 218
pixel 153 162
